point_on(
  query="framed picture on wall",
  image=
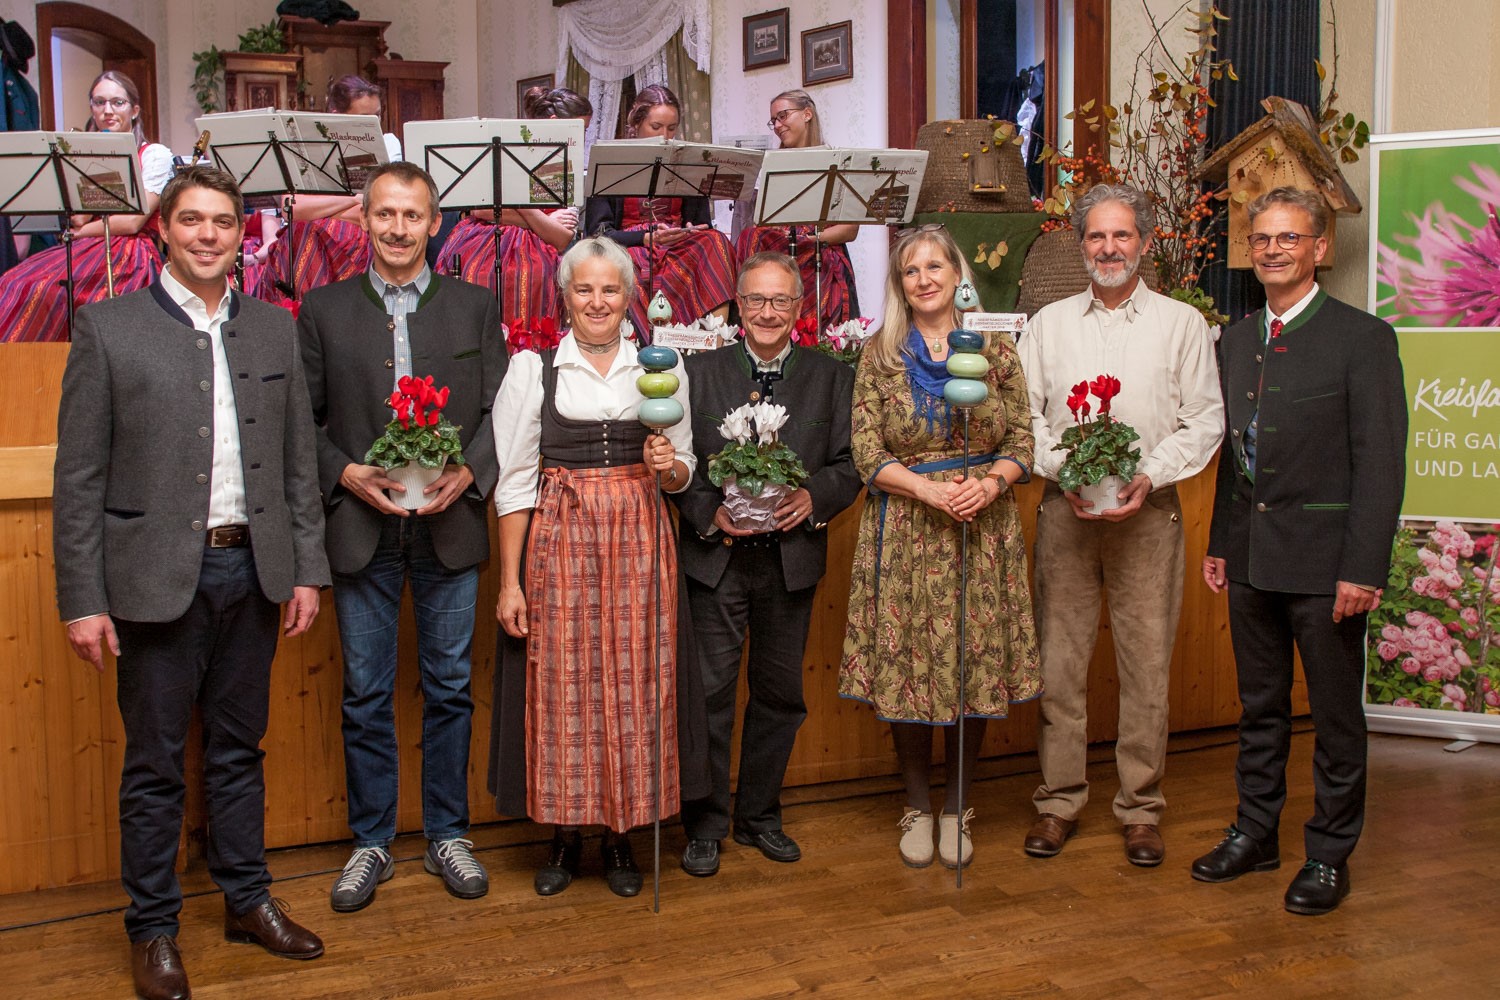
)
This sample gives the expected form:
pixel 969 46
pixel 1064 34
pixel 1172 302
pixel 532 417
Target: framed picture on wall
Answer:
pixel 768 39
pixel 828 53
pixel 545 80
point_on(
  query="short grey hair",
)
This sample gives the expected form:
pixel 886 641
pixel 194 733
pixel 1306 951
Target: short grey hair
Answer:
pixel 770 258
pixel 405 173
pixel 1309 201
pixel 1131 197
pixel 596 246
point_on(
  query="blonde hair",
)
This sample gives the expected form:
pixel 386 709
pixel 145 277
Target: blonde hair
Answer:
pixel 802 101
pixel 886 347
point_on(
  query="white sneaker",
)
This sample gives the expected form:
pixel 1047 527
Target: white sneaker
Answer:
pixel 355 886
pixel 916 842
pixel 949 836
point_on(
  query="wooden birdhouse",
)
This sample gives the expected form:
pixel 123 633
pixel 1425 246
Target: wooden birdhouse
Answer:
pixel 1280 150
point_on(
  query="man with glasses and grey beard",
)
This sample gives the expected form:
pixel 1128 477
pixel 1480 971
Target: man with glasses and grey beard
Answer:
pixel 1163 355
pixel 740 581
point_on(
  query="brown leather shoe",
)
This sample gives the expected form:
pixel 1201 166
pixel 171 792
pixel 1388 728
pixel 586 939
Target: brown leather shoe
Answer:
pixel 1143 845
pixel 268 926
pixel 157 969
pixel 1048 834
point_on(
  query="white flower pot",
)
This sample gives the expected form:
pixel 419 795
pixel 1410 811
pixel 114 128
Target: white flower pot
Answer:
pixel 750 513
pixel 1103 494
pixel 415 478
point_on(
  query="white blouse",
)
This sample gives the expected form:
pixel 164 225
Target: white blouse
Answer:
pixel 582 394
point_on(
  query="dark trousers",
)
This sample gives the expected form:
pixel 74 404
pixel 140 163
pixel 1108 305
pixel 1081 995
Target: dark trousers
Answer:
pixel 751 596
pixel 1263 626
pixel 216 656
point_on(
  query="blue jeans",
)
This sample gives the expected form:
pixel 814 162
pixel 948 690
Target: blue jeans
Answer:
pixel 369 606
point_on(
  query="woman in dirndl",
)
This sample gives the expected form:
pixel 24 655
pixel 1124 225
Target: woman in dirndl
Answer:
pixel 794 119
pixel 901 643
pixel 33 301
pixel 672 241
pixel 583 579
pixel 530 239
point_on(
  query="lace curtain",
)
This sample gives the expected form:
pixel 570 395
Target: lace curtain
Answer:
pixel 613 40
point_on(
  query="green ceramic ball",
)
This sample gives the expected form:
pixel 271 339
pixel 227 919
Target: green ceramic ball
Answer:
pixel 658 385
pixel 968 365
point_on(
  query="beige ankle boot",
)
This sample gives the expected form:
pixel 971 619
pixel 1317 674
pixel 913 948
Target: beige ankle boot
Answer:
pixel 916 842
pixel 952 829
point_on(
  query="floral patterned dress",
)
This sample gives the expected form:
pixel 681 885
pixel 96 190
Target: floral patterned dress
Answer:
pixel 901 646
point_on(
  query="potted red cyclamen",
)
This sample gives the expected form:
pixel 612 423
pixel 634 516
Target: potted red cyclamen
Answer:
pixel 418 442
pixel 1100 461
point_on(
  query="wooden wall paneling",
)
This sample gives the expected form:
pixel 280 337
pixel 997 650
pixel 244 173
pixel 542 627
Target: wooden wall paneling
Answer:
pixel 26 825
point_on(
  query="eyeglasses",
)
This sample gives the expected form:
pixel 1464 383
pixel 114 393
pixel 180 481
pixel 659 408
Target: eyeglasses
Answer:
pixel 931 227
pixel 109 102
pixel 755 303
pixel 1287 241
pixel 780 117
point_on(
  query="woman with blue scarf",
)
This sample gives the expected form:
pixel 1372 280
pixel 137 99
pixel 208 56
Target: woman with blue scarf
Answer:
pixel 901 647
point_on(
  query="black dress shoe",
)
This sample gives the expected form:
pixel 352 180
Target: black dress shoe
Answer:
pixel 701 858
pixel 1237 854
pixel 562 864
pixel 774 844
pixel 1318 888
pixel 620 872
pixel 156 968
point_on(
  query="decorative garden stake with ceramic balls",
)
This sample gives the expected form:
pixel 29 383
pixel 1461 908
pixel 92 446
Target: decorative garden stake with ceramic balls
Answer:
pixel 657 411
pixel 964 391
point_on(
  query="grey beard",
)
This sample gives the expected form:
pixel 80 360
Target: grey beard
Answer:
pixel 1104 280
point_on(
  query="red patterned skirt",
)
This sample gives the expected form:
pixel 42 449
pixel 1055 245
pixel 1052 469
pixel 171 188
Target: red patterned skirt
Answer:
pixel 591 706
pixel 529 269
pixel 328 250
pixel 840 303
pixel 33 306
pixel 696 274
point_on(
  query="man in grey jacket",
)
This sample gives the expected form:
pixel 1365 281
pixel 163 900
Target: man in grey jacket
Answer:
pixel 186 509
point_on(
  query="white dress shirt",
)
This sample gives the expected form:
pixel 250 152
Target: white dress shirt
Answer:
pixel 1162 353
pixel 582 394
pixel 226 489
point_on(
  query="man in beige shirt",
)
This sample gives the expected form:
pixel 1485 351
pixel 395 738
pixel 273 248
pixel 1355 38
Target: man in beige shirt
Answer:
pixel 1163 355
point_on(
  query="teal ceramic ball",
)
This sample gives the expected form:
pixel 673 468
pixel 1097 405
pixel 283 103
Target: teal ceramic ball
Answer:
pixel 657 359
pixel 965 297
pixel 660 413
pixel 965 392
pixel 657 385
pixel 968 365
pixel 659 312
pixel 966 341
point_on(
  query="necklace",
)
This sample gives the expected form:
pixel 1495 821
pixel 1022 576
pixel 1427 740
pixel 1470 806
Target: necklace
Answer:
pixel 588 348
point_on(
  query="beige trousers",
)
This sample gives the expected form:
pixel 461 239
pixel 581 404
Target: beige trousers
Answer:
pixel 1138 564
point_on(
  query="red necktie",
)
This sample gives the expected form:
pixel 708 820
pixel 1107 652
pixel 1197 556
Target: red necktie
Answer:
pixel 1275 328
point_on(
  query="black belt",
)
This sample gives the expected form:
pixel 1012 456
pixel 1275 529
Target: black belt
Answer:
pixel 766 540
pixel 228 536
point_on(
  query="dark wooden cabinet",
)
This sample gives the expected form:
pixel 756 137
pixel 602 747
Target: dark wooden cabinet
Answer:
pixel 410 91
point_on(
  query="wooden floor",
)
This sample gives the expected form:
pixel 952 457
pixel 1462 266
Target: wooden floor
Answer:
pixel 849 920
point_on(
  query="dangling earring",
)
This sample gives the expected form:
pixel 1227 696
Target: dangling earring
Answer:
pixel 965 297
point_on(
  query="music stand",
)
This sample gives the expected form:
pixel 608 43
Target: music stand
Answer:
pixel 818 187
pixel 498 163
pixel 279 166
pixel 62 174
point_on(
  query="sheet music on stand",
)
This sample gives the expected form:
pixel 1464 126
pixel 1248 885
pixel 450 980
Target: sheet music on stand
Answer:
pixel 821 187
pixel 273 152
pixel 672 168
pixel 499 163
pixel 67 173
